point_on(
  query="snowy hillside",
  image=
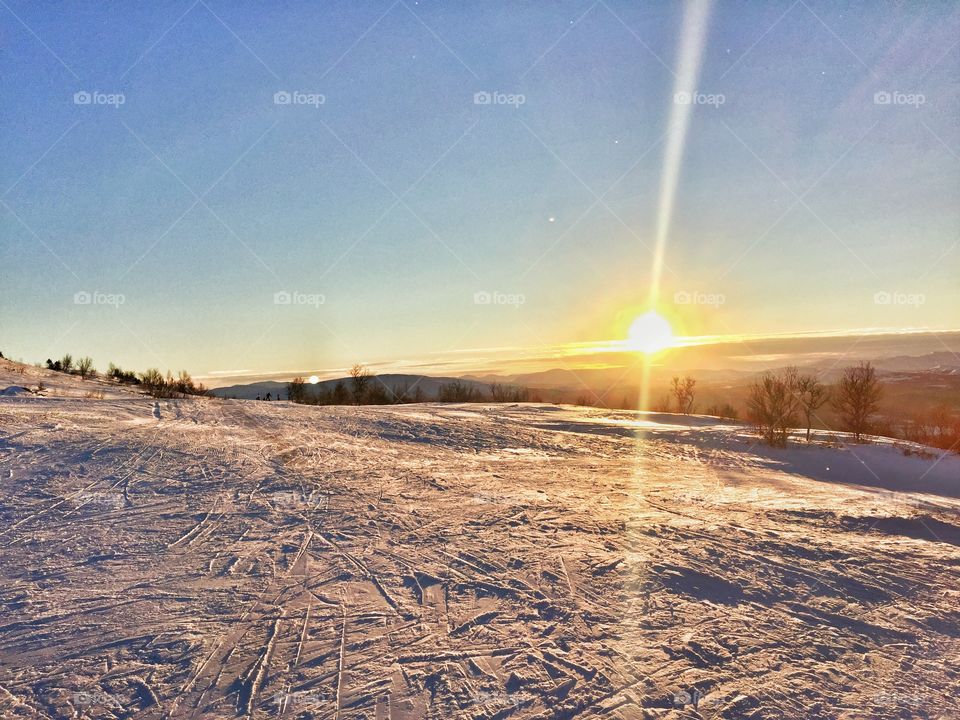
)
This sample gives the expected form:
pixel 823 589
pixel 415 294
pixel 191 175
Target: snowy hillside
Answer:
pixel 250 559
pixel 20 379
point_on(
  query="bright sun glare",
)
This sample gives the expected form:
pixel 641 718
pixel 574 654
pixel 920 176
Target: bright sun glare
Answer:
pixel 314 379
pixel 650 333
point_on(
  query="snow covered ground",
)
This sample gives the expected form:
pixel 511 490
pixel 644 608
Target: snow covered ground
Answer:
pixel 235 558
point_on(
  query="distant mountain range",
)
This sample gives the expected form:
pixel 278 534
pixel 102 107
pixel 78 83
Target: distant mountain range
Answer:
pixel 561 385
pixel 939 362
pixel 393 383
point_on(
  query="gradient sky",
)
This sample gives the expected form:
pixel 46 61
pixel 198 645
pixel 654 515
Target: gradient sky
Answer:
pixel 799 199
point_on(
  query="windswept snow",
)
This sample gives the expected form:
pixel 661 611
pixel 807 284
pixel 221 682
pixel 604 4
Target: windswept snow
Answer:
pixel 241 559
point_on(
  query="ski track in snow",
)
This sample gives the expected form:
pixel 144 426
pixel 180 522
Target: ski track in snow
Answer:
pixel 223 559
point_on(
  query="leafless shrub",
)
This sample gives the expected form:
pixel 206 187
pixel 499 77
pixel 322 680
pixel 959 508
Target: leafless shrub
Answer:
pixel 683 392
pixel 857 397
pixel 377 394
pixel 772 406
pixel 121 375
pixel 938 426
pixel 339 395
pixel 297 390
pixel 85 367
pixel 726 411
pixel 812 395
pixel 500 393
pixel 360 378
pixel 458 391
pixel 153 382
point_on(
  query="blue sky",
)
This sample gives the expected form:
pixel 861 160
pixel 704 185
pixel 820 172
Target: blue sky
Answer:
pixel 398 199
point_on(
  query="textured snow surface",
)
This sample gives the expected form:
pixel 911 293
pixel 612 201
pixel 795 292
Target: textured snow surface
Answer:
pixel 242 559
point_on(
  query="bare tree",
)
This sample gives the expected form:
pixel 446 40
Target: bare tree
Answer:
pixel 458 391
pixel 66 363
pixel 941 422
pixel 682 391
pixel 772 406
pixel 121 375
pixel 500 393
pixel 85 367
pixel 360 378
pixel 857 398
pixel 726 411
pixel 938 426
pixel 184 383
pixel 400 394
pixel 153 382
pixel 339 395
pixel 296 390
pixel 377 394
pixel 812 395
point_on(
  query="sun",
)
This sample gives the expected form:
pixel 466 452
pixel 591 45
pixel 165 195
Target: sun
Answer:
pixel 314 379
pixel 650 333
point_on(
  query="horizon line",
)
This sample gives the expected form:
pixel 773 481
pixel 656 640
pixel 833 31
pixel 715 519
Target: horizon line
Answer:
pixel 557 352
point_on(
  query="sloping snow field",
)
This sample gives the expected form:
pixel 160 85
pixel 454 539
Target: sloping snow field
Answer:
pixel 243 559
